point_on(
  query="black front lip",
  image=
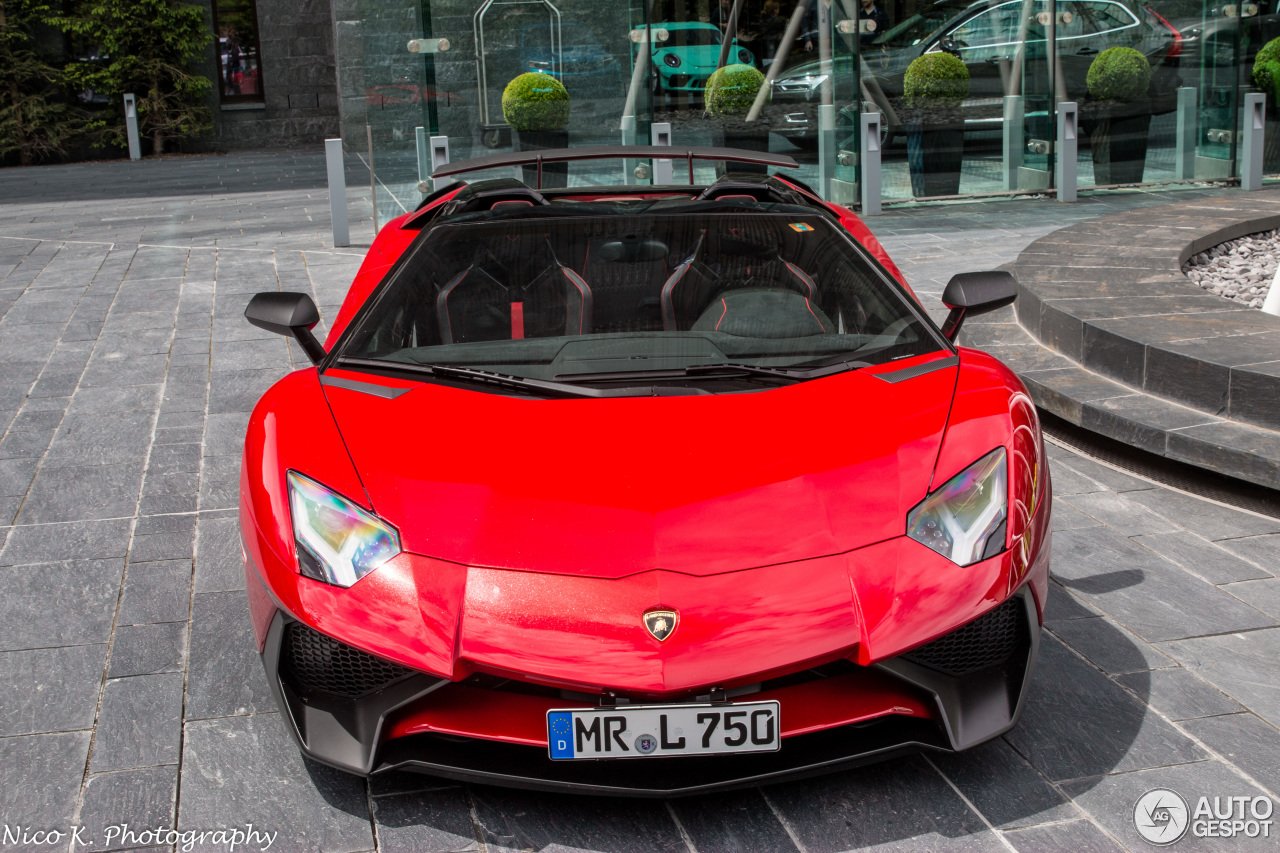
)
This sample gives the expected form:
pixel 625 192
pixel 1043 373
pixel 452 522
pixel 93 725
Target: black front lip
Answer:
pixel 528 767
pixel 347 733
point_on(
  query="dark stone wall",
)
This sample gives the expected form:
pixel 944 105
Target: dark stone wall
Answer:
pixel 295 38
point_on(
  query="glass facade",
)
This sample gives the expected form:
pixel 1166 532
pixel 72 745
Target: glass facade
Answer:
pixel 968 91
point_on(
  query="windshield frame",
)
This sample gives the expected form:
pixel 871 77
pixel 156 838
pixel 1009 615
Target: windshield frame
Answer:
pixel 386 284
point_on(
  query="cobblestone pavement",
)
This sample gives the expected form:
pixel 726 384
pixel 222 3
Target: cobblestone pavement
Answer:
pixel 131 693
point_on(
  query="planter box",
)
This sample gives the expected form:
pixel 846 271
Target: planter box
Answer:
pixel 553 174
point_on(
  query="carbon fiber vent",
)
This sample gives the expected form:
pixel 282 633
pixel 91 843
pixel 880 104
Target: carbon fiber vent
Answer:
pixel 317 662
pixel 986 641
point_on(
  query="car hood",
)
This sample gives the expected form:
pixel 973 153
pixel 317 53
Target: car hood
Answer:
pixel 697 484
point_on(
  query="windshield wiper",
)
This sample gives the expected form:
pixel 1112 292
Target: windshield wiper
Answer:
pixel 724 368
pixel 798 373
pixel 476 376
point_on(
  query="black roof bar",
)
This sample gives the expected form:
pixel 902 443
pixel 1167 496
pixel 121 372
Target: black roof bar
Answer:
pixel 614 152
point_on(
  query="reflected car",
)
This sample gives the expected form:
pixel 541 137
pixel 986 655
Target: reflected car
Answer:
pixel 645 491
pixel 1220 40
pixel 988 37
pixel 690 55
pixel 581 61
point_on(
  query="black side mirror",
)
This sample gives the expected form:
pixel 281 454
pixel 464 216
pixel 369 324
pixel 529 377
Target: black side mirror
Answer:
pixel 969 294
pixel 287 314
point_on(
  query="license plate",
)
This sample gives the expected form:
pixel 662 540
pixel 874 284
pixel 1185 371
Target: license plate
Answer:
pixel 648 731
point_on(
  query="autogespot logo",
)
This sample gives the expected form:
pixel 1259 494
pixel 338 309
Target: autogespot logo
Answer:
pixel 1162 817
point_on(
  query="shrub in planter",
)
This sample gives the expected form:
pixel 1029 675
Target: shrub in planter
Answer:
pixel 1266 76
pixel 536 106
pixel 729 93
pixel 932 89
pixel 1118 80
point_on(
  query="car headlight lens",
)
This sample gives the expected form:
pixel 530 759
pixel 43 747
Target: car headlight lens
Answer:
pixel 744 56
pixel 338 542
pixel 671 59
pixel 965 520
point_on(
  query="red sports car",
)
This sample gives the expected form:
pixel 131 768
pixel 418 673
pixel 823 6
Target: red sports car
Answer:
pixel 641 490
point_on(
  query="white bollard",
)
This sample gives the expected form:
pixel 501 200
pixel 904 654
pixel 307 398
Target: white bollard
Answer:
pixel 1254 125
pixel 1065 156
pixel 337 192
pixel 131 125
pixel 869 161
pixel 663 172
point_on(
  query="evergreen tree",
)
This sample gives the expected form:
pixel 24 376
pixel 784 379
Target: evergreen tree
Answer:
pixel 37 118
pixel 148 45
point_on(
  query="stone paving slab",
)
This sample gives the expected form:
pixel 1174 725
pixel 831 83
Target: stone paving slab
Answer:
pixel 133 690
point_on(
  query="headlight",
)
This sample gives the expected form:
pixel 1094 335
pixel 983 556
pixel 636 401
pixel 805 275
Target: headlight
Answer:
pixel 744 56
pixel 671 59
pixel 338 542
pixel 965 520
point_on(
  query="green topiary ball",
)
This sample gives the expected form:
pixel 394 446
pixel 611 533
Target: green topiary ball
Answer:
pixel 732 90
pixel 535 101
pixel 1266 68
pixel 1119 73
pixel 936 79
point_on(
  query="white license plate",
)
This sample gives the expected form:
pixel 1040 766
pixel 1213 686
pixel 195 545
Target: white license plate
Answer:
pixel 648 731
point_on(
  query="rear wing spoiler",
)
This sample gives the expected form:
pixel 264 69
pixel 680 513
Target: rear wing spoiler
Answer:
pixel 615 152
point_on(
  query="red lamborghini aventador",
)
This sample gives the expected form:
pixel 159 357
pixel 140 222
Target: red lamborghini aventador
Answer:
pixel 641 490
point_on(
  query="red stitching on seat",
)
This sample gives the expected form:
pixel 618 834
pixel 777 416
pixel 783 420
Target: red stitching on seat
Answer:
pixel 815 317
pixel 722 313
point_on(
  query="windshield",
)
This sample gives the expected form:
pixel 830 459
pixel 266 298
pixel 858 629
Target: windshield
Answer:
pixel 598 294
pixel 920 26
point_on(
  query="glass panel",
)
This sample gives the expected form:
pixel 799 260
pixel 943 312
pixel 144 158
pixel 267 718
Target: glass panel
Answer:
pixel 1182 122
pixel 236 23
pixel 965 92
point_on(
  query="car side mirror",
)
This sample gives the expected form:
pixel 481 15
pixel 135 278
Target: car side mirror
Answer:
pixel 291 314
pixel 969 294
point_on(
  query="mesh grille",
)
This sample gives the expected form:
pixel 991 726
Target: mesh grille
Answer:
pixel 986 641
pixel 317 662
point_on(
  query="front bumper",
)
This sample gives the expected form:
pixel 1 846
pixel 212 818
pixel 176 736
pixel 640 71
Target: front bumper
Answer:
pixel 357 712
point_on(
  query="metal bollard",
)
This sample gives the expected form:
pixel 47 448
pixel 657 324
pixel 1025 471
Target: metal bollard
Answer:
pixel 1014 139
pixel 424 159
pixel 663 173
pixel 630 168
pixel 826 148
pixel 1184 151
pixel 869 161
pixel 1254 121
pixel 131 125
pixel 439 157
pixel 1065 157
pixel 337 192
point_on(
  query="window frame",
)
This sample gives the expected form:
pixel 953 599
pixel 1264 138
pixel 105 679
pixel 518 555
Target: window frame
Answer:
pixel 230 100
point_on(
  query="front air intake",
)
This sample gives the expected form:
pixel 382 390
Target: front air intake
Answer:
pixel 314 662
pixel 985 642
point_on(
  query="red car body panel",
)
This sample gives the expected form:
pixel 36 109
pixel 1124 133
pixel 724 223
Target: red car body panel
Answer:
pixel 612 487
pixel 532 560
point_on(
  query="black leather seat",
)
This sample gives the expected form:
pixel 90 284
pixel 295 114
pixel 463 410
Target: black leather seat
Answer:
pixel 494 299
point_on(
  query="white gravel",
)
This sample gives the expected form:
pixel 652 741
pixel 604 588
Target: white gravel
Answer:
pixel 1240 269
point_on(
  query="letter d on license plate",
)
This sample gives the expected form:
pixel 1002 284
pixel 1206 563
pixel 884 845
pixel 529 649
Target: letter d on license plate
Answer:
pixel 649 731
